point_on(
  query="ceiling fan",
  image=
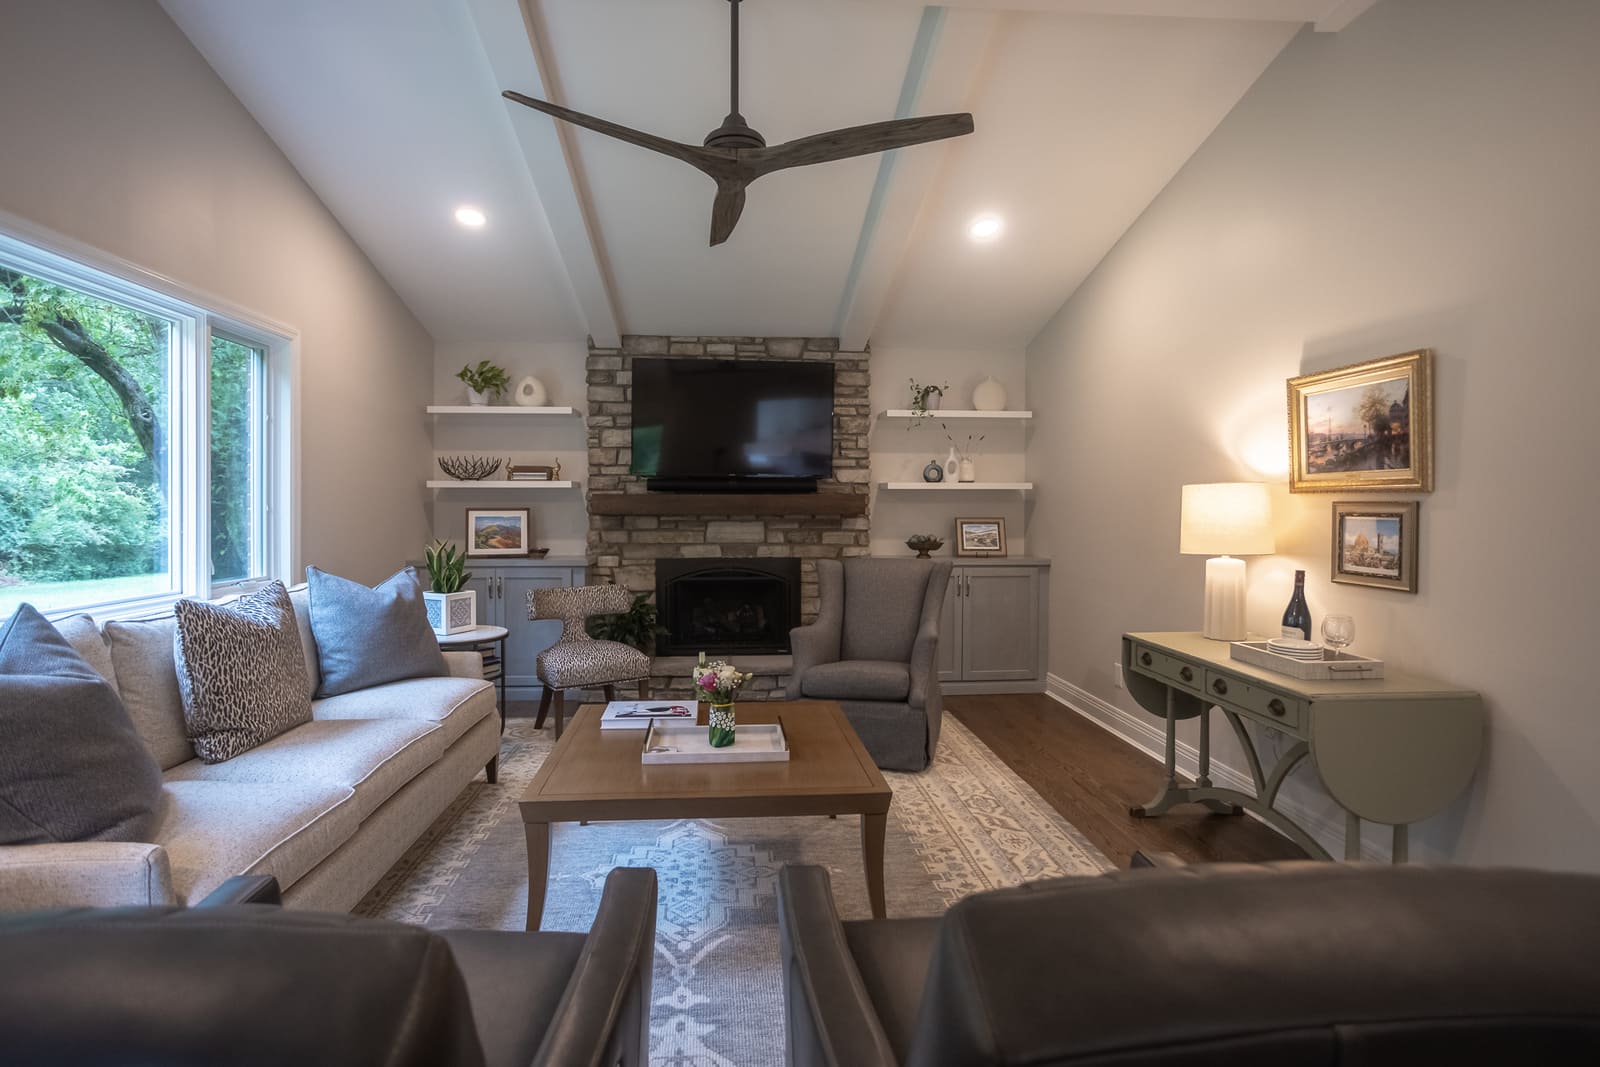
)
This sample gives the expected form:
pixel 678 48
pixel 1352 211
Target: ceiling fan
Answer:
pixel 734 155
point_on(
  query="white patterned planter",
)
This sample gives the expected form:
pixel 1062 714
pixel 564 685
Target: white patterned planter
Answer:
pixel 451 613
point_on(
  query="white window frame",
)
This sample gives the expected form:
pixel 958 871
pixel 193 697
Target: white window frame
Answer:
pixel 197 315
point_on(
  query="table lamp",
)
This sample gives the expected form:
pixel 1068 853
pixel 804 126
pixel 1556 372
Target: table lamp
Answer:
pixel 1223 520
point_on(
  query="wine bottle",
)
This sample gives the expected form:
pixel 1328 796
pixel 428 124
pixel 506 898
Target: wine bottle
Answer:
pixel 1297 617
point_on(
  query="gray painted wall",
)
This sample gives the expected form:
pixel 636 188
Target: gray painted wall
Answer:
pixel 1428 177
pixel 120 136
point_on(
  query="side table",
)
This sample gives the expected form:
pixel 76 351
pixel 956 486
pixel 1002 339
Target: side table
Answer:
pixel 491 641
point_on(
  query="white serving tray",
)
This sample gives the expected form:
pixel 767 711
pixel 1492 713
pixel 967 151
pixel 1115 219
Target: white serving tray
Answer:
pixel 1333 667
pixel 683 743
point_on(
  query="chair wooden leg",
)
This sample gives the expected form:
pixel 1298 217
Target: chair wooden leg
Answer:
pixel 644 689
pixel 491 770
pixel 611 693
pixel 544 707
pixel 561 711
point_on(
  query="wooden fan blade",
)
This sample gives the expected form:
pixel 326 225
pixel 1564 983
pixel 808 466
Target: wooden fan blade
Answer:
pixel 855 141
pixel 726 209
pixel 716 163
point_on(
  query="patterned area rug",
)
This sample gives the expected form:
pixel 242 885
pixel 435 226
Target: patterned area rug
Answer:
pixel 964 825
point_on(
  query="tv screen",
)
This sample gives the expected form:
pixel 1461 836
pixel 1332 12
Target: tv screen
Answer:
pixel 721 419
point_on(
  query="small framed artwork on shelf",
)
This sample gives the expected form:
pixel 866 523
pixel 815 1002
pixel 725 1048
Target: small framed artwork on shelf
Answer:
pixel 1367 427
pixel 980 537
pixel 1376 544
pixel 499 531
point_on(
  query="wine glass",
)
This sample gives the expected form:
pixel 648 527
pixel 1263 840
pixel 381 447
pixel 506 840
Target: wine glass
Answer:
pixel 1337 632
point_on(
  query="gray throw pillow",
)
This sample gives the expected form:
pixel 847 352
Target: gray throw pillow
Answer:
pixel 241 672
pixel 366 637
pixel 72 767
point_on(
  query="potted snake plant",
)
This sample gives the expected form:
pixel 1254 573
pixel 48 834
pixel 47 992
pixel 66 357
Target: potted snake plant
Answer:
pixel 451 607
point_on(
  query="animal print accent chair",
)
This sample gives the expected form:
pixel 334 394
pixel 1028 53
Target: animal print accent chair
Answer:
pixel 578 660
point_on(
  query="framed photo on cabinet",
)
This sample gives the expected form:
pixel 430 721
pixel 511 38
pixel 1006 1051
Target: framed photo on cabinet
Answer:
pixel 980 537
pixel 1363 427
pixel 1375 544
pixel 498 531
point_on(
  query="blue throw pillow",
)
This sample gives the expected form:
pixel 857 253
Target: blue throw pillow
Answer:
pixel 366 637
pixel 72 766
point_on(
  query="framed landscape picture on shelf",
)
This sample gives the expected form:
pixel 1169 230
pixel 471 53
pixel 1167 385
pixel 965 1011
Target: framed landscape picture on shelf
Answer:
pixel 1363 427
pixel 980 537
pixel 1375 544
pixel 499 532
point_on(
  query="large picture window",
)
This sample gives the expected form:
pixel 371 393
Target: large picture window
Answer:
pixel 136 453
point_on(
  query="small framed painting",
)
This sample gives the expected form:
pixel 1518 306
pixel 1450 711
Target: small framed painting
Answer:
pixel 1363 427
pixel 498 532
pixel 980 537
pixel 1376 544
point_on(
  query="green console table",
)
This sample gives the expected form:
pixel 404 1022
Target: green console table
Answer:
pixel 1393 750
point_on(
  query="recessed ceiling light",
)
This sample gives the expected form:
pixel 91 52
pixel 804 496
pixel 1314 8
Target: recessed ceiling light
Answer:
pixel 985 227
pixel 470 217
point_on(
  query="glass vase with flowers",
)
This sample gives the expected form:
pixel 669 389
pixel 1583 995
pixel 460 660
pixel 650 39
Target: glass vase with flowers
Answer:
pixel 719 683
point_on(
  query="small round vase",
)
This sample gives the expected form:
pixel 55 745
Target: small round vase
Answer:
pixel 990 395
pixel 932 401
pixel 968 471
pixel 530 393
pixel 721 722
pixel 933 472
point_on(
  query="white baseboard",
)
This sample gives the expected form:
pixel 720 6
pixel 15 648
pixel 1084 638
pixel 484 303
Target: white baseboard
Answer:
pixel 1148 735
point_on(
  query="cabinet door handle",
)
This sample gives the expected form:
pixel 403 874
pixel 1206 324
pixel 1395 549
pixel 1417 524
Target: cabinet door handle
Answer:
pixel 1187 674
pixel 1220 686
pixel 1276 707
pixel 1144 657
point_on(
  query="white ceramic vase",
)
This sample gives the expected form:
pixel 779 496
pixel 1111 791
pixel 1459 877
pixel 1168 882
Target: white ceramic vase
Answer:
pixel 477 399
pixel 968 471
pixel 990 395
pixel 952 465
pixel 531 393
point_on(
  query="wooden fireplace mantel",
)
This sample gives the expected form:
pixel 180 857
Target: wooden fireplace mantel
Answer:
pixel 727 504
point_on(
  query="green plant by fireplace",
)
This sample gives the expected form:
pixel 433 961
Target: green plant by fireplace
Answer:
pixel 447 567
pixel 485 378
pixel 637 627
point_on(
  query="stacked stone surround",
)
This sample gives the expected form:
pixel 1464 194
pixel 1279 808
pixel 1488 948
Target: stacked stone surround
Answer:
pixel 623 548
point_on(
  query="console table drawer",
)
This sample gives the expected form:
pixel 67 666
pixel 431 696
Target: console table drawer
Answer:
pixel 1276 709
pixel 1147 660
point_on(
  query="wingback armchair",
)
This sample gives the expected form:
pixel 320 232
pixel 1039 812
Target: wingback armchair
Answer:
pixel 874 649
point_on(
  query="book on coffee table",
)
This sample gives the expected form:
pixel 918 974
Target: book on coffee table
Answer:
pixel 668 742
pixel 637 714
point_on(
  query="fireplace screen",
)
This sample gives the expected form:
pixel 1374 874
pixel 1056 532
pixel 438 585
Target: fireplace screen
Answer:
pixel 727 606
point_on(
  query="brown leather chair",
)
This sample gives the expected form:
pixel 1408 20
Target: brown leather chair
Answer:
pixel 1279 965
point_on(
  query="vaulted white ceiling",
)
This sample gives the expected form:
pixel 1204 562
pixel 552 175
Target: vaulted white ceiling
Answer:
pixel 1084 109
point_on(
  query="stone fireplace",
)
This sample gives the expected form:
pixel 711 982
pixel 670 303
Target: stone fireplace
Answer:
pixel 726 607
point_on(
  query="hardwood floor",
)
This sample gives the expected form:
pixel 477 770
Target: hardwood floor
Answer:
pixel 1092 777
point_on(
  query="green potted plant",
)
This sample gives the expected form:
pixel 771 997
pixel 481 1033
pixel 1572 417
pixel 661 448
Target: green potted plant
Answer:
pixel 925 399
pixel 484 381
pixel 637 627
pixel 452 608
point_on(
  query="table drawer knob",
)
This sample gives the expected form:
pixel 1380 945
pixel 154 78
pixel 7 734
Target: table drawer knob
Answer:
pixel 1187 674
pixel 1144 657
pixel 1276 707
pixel 1220 686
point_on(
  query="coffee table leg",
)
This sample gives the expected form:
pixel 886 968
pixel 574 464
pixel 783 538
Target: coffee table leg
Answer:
pixel 539 869
pixel 873 830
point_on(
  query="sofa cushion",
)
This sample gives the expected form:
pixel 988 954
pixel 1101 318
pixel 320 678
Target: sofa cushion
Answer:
pixel 215 830
pixel 882 607
pixel 72 767
pixel 367 637
pixel 240 672
pixel 371 756
pixel 892 956
pixel 573 664
pixel 857 679
pixel 454 704
pixel 300 597
pixel 147 679
pixel 83 634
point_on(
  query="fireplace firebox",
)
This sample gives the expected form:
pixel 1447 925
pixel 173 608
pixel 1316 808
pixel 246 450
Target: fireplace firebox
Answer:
pixel 726 607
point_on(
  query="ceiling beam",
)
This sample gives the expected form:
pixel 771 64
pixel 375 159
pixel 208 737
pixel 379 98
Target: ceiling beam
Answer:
pixel 1328 15
pixel 1341 14
pixel 511 36
pixel 942 75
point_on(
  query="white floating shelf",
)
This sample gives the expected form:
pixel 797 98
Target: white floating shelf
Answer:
pixel 907 413
pixel 950 487
pixel 495 409
pixel 500 484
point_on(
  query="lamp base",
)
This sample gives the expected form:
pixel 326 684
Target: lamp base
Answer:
pixel 1224 604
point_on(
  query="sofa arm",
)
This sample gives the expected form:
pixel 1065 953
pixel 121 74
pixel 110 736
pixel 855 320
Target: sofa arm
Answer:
pixel 831 1019
pixel 244 889
pixel 85 874
pixel 811 645
pixel 604 1015
pixel 464 664
pixel 924 667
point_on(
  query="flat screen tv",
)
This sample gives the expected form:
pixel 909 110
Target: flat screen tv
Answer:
pixel 757 423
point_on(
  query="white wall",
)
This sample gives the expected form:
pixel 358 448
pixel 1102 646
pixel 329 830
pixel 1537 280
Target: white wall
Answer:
pixel 560 522
pixel 900 449
pixel 118 135
pixel 1428 177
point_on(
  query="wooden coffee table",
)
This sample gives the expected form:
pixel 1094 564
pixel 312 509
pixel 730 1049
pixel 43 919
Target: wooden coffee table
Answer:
pixel 597 775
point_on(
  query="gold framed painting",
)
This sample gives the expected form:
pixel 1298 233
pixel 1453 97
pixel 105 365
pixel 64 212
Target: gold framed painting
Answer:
pixel 1375 544
pixel 980 537
pixel 1363 427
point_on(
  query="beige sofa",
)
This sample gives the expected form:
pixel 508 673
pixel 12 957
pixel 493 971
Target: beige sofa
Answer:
pixel 327 807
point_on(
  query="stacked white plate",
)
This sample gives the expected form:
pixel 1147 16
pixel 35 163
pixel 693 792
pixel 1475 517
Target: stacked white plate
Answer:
pixel 1295 648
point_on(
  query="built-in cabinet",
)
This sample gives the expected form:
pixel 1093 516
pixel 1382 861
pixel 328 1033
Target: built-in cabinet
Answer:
pixel 503 586
pixel 993 632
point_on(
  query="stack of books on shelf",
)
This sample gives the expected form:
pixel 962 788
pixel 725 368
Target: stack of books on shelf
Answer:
pixel 518 473
pixel 491 663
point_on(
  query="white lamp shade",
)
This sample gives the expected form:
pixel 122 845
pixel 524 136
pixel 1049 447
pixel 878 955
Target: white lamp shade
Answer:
pixel 1226 519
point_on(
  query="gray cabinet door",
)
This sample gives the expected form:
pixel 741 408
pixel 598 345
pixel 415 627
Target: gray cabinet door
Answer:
pixel 999 624
pixel 950 631
pixel 527 637
pixel 483 585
